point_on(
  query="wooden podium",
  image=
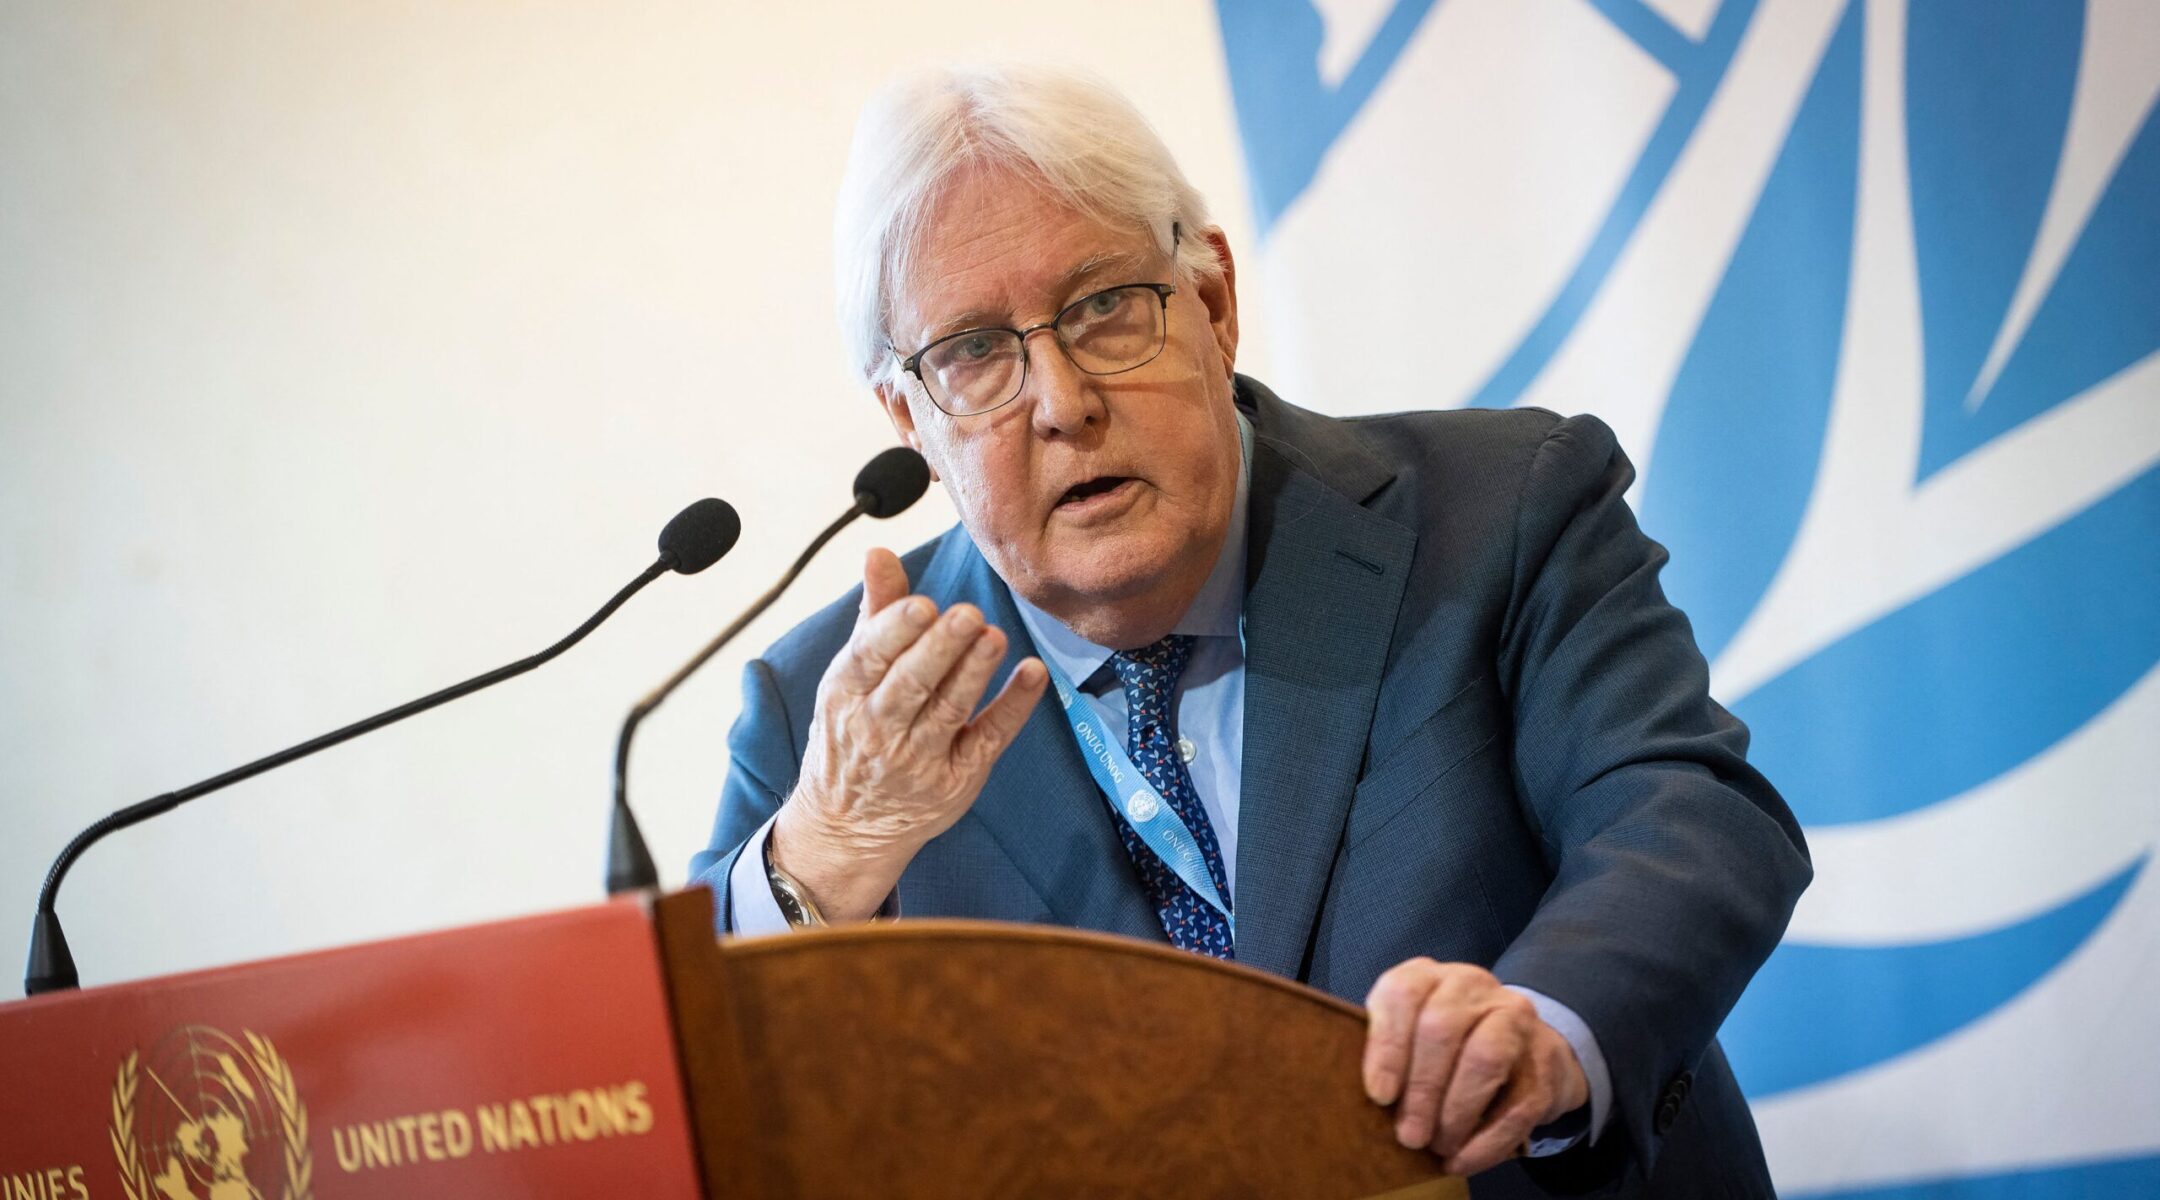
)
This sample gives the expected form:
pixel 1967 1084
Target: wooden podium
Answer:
pixel 620 1050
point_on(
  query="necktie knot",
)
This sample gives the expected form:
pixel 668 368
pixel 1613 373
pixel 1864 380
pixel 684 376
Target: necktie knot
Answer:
pixel 1151 673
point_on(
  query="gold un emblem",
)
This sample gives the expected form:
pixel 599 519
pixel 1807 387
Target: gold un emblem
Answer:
pixel 203 1117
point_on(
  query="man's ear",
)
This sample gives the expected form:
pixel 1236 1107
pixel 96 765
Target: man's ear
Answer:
pixel 893 398
pixel 1219 296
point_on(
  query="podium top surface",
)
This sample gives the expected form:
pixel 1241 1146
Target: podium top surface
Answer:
pixel 949 1058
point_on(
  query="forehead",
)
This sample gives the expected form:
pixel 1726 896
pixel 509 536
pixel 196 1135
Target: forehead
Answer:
pixel 998 248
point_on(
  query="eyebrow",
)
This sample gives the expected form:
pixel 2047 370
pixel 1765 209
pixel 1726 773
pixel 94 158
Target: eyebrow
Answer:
pixel 1065 284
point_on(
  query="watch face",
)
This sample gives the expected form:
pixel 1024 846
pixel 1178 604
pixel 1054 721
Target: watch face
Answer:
pixel 785 895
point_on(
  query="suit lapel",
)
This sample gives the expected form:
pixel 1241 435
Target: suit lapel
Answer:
pixel 1040 804
pixel 1325 580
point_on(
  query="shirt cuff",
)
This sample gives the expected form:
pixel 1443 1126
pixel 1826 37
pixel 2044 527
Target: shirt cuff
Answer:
pixel 752 909
pixel 749 902
pixel 1559 1135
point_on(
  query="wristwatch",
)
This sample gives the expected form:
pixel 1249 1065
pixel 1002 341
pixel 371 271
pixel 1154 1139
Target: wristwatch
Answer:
pixel 795 903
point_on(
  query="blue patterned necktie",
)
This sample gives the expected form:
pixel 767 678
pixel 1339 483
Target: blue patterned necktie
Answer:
pixel 1150 675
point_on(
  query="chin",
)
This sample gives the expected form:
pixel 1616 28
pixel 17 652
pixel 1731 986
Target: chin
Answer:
pixel 1081 579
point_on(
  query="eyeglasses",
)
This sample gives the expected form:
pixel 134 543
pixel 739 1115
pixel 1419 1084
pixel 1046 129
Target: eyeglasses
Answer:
pixel 1106 333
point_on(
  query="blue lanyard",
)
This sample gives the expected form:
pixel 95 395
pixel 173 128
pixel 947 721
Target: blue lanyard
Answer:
pixel 1133 798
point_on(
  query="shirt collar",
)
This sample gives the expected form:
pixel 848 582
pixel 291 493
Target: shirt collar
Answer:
pixel 1215 612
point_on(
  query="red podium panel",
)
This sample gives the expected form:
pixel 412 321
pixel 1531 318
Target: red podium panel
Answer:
pixel 529 1058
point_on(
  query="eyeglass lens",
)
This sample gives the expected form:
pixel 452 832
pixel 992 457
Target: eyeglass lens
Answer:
pixel 1108 332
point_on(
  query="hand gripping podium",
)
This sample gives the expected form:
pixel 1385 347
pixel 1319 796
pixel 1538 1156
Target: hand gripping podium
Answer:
pixel 620 1050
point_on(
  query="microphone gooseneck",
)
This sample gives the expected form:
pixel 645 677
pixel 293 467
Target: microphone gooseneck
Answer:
pixel 694 540
pixel 886 486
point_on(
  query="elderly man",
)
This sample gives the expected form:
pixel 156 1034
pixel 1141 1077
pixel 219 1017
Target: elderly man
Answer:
pixel 1414 721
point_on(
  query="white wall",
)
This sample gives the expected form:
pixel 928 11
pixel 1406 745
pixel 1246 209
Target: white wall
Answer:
pixel 349 349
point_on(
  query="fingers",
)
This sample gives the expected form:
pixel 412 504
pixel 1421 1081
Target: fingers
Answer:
pixel 1459 1057
pixel 914 677
pixel 1507 1125
pixel 1392 1007
pixel 997 725
pixel 1483 1066
pixel 884 581
pixel 954 701
pixel 1438 1034
pixel 879 641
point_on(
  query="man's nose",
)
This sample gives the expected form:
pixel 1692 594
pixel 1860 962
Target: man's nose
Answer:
pixel 1064 395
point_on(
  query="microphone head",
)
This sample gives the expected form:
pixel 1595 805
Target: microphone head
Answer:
pixel 892 481
pixel 699 535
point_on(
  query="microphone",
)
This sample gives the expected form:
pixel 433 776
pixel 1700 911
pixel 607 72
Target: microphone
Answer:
pixel 885 487
pixel 696 539
pixel 699 536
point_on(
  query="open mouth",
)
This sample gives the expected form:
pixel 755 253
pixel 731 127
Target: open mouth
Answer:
pixel 1101 485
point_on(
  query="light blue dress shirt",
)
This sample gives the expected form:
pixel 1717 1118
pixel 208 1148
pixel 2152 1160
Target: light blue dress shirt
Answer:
pixel 1211 727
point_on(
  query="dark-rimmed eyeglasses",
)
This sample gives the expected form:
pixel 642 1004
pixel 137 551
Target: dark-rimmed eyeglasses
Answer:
pixel 1103 333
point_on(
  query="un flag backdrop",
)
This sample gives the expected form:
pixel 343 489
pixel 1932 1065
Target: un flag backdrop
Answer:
pixel 1871 293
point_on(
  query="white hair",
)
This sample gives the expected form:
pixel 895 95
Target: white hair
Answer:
pixel 1075 135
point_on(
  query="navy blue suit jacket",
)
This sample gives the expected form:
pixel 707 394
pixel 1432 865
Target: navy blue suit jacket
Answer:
pixel 1474 730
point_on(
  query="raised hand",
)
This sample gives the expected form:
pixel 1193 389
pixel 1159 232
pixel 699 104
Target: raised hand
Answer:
pixel 897 751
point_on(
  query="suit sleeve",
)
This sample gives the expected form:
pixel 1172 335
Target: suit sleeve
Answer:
pixel 1675 864
pixel 761 772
